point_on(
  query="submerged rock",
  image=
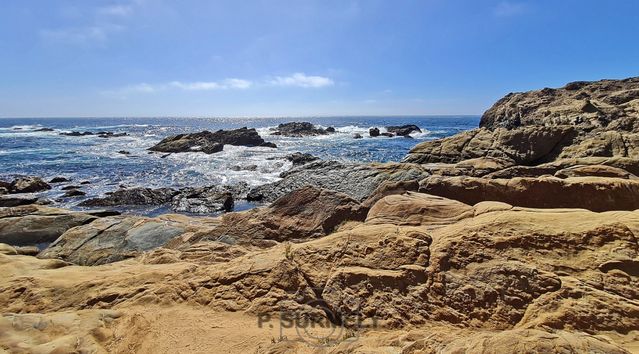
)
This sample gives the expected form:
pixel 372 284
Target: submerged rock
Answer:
pixel 210 143
pixel 59 180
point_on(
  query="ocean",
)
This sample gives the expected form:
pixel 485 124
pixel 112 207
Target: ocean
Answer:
pixel 26 151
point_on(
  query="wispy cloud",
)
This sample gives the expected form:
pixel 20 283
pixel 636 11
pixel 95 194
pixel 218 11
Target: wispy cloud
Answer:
pixel 81 35
pixel 302 80
pixel 294 80
pixel 509 8
pixel 103 22
pixel 227 84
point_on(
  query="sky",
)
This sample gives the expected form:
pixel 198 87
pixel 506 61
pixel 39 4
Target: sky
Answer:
pixel 213 58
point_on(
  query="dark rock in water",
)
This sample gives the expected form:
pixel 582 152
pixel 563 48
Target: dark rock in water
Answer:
pixel 403 130
pixel 74 133
pixel 373 132
pixel 268 144
pixel 330 130
pixel 134 196
pixel 210 143
pixel 387 134
pixel 66 188
pixel 28 184
pixel 299 129
pixel 124 152
pixel 202 201
pixel 85 182
pixel 356 180
pixel 102 213
pixel 244 168
pixel 59 180
pixel 44 130
pixel 299 158
pixel 73 193
pixel 10 201
pixel 30 225
pixel 357 136
pixel 4 190
pixel 111 135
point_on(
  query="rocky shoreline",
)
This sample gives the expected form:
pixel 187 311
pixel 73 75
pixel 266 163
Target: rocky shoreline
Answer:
pixel 518 236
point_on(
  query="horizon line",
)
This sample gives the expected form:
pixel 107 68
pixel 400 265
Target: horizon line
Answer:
pixel 249 117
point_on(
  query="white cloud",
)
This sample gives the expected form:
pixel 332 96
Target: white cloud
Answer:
pixel 302 80
pixel 509 8
pixel 116 10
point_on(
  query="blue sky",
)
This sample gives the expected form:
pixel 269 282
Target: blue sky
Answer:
pixel 300 58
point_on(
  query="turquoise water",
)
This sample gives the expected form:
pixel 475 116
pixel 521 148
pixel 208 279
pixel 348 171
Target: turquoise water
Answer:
pixel 25 151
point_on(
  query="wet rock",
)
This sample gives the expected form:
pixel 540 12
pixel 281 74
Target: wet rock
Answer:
pixel 373 132
pixel 44 130
pixel 111 135
pixel 66 188
pixel 403 130
pixel 124 152
pixel 28 184
pixel 299 129
pixel 299 158
pixel 73 193
pixel 59 180
pixel 357 136
pixel 330 130
pixel 133 196
pixel 387 134
pixel 210 143
pixel 76 133
pixel 202 201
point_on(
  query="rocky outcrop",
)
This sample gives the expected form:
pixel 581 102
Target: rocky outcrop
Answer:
pixel 592 193
pixel 33 224
pixel 609 104
pixel 373 132
pixel 202 201
pixel 299 129
pixel 403 130
pixel 303 214
pixel 210 143
pixel 356 180
pixel 98 134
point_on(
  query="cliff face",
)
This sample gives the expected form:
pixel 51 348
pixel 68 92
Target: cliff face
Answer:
pixel 608 104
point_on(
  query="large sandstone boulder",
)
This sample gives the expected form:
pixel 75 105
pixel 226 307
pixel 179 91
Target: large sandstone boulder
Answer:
pixel 34 224
pixel 210 143
pixel 609 104
pixel 593 193
pixel 358 181
pixel 524 146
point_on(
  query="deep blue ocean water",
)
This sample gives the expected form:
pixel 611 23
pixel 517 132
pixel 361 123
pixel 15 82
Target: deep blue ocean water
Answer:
pixel 23 151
